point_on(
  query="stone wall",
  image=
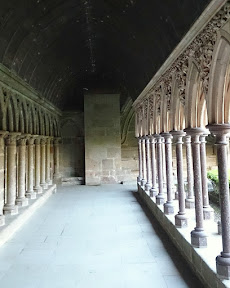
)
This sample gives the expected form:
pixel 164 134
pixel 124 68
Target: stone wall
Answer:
pixel 72 147
pixel 102 139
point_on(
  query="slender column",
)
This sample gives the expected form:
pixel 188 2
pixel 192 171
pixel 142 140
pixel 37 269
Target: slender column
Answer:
pixel 30 178
pixel 140 176
pixel 3 134
pixel 153 190
pixel 223 260
pixel 189 201
pixel 48 180
pixel 160 197
pixel 207 209
pixel 21 200
pixel 10 207
pixel 52 159
pixel 181 218
pixel 148 184
pixel 168 206
pixel 143 181
pixel 37 187
pixel 57 175
pixel 198 236
pixel 43 162
pixel 163 163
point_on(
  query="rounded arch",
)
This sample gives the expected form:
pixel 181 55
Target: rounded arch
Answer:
pixel 219 84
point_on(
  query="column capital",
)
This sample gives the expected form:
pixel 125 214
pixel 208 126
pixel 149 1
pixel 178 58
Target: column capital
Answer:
pixel 3 133
pixel 22 139
pixel 166 135
pixel 31 139
pixel 152 139
pixel 11 138
pixel 221 131
pixel 178 135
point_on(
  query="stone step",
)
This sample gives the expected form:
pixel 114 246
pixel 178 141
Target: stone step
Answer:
pixel 67 181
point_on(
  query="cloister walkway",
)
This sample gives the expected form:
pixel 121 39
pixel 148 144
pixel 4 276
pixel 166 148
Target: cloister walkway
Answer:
pixel 92 237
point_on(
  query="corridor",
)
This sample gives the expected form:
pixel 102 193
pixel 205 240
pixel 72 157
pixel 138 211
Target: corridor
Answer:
pixel 95 236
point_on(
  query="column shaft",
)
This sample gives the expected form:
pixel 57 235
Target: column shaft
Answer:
pixel 189 201
pixel 56 159
pixel 3 134
pixel 48 180
pixel 148 184
pixel 160 198
pixel 153 190
pixel 30 178
pixel 37 188
pixel 43 163
pixel 140 176
pixel 143 181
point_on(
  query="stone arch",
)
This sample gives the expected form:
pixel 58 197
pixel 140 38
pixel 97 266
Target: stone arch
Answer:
pixel 9 117
pixel 177 109
pixel 41 122
pixel 219 84
pixel 46 124
pixel 195 101
pixel 21 118
pixel 15 103
pixel 30 118
pixel 2 111
pixel 25 116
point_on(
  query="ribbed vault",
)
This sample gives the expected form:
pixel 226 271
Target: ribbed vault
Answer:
pixel 63 47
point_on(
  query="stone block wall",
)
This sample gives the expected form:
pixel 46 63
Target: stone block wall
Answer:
pixel 102 139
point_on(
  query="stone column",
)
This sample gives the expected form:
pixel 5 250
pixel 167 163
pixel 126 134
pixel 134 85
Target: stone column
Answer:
pixel 160 198
pixel 57 175
pixel 181 218
pixel 148 184
pixel 198 236
pixel 168 206
pixel 3 134
pixel 163 163
pixel 30 178
pixel 21 200
pixel 189 201
pixel 48 179
pixel 52 159
pixel 43 183
pixel 10 207
pixel 37 186
pixel 153 190
pixel 140 176
pixel 223 260
pixel 143 181
pixel 207 209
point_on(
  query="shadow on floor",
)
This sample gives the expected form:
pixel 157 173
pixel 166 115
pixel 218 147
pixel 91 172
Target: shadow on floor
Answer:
pixel 189 277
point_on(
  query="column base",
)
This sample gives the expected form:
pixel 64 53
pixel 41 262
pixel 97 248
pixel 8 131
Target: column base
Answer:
pixel 160 199
pixel 138 179
pixel 168 208
pixel 44 186
pixel 10 209
pixel 31 195
pixel 38 189
pixel 2 220
pixel 22 202
pixel 198 238
pixel 143 182
pixel 181 221
pixel 148 186
pixel 208 213
pixel 153 192
pixel 189 203
pixel 223 266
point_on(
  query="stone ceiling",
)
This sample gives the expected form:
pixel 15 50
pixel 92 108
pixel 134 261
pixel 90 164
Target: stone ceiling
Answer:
pixel 65 47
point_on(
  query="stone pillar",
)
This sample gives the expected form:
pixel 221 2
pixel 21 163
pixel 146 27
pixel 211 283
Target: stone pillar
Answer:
pixel 21 200
pixel 3 134
pixel 163 163
pixel 143 181
pixel 189 201
pixel 30 178
pixel 168 206
pixel 43 183
pixel 181 218
pixel 57 176
pixel 198 236
pixel 37 186
pixel 140 176
pixel 153 190
pixel 160 198
pixel 52 159
pixel 223 260
pixel 48 179
pixel 148 184
pixel 207 209
pixel 10 207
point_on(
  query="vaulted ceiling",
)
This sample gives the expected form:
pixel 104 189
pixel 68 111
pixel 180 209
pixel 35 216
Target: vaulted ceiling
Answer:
pixel 65 47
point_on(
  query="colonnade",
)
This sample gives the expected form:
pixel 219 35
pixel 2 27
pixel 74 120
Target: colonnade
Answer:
pixel 28 165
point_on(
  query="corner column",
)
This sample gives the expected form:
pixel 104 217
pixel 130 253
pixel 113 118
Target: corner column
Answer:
pixel 160 198
pixel 181 219
pixel 168 206
pixel 21 200
pixel 223 260
pixel 3 134
pixel 30 185
pixel 10 207
pixel 153 190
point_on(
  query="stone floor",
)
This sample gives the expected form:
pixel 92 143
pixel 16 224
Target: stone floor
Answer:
pixel 92 237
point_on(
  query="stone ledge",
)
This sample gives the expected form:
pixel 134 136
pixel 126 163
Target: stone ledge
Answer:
pixel 13 223
pixel 201 260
